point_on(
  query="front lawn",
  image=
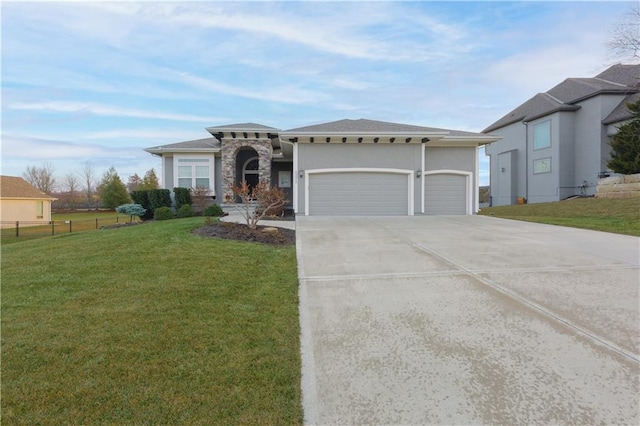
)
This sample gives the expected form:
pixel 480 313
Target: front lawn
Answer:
pixel 149 325
pixel 621 216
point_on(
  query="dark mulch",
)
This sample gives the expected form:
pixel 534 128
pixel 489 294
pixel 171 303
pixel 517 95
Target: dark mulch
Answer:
pixel 241 232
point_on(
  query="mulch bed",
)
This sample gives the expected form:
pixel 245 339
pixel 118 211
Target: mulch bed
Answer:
pixel 241 232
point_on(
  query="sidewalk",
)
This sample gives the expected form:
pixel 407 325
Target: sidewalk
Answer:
pixel 236 217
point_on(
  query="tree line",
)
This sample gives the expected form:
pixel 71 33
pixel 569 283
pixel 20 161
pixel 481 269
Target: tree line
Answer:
pixel 84 187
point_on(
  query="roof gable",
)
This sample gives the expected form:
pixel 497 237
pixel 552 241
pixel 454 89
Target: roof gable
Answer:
pixel 16 187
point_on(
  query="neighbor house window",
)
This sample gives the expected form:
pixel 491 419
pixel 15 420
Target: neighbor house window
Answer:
pixel 40 210
pixel 194 172
pixel 542 135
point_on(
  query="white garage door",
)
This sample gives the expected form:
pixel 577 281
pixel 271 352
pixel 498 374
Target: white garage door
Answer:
pixel 445 194
pixel 358 193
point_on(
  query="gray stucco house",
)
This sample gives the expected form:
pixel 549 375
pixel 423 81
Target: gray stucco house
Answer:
pixel 556 144
pixel 346 167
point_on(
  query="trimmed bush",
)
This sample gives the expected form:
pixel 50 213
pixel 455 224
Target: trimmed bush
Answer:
pixel 213 210
pixel 163 213
pixel 159 198
pixel 185 211
pixel 131 210
pixel 142 198
pixel 183 197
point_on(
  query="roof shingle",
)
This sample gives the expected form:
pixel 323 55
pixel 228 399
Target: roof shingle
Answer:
pixel 16 187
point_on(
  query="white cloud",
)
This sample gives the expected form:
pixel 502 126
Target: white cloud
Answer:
pixel 106 110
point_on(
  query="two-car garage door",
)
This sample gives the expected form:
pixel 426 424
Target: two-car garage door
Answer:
pixel 358 193
pixel 378 193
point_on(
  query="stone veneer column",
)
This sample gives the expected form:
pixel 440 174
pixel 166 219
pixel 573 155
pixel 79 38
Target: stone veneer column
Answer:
pixel 229 151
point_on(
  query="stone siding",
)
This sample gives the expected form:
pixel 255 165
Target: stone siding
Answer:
pixel 229 152
pixel 619 186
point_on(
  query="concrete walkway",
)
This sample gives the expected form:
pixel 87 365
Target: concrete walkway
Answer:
pixel 467 320
pixel 236 217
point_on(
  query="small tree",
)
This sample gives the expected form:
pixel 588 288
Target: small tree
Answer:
pixel 112 191
pixel 88 175
pixel 200 197
pixel 131 210
pixel 150 180
pixel 258 202
pixel 134 183
pixel 72 184
pixel 625 145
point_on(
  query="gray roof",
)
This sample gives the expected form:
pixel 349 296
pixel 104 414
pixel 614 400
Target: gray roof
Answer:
pixel 621 79
pixel 621 112
pixel 372 126
pixel 629 75
pixel 242 127
pixel 206 143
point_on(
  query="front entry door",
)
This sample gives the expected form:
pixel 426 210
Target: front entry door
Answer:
pixel 250 173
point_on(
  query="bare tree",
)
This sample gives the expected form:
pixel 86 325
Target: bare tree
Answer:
pixel 71 183
pixel 200 196
pixel 625 35
pixel 258 202
pixel 41 177
pixel 88 175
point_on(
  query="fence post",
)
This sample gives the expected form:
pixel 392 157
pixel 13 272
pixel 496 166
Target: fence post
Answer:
pixel 70 226
pixel 17 228
pixel 96 223
pixel 53 228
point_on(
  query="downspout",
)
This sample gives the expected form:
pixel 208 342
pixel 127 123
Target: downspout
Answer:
pixel 526 161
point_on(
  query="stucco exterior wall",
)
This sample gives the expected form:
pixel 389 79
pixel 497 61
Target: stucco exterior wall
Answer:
pixel 278 167
pixel 24 210
pixel 507 186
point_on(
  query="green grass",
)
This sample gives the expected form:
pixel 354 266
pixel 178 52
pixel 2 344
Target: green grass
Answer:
pixel 90 215
pixel 620 216
pixel 149 325
pixel 63 223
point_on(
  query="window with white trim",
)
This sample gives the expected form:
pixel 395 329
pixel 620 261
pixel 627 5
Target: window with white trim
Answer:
pixel 194 172
pixel 542 135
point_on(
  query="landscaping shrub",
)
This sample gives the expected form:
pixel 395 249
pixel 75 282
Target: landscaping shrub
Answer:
pixel 213 210
pixel 163 213
pixel 131 210
pixel 159 198
pixel 185 211
pixel 142 198
pixel 183 197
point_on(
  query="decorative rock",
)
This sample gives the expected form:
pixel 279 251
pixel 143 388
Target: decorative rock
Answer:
pixel 270 230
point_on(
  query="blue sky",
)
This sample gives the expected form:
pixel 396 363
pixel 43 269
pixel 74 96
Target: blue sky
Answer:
pixel 88 81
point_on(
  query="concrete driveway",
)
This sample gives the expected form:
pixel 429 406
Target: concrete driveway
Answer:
pixel 467 320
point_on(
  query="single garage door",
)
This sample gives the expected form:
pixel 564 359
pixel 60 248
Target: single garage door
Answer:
pixel 358 193
pixel 445 194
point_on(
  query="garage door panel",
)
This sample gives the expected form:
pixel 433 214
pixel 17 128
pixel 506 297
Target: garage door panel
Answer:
pixel 358 193
pixel 445 194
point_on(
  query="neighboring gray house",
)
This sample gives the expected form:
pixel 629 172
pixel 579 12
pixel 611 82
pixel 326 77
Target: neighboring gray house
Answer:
pixel 556 144
pixel 346 167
